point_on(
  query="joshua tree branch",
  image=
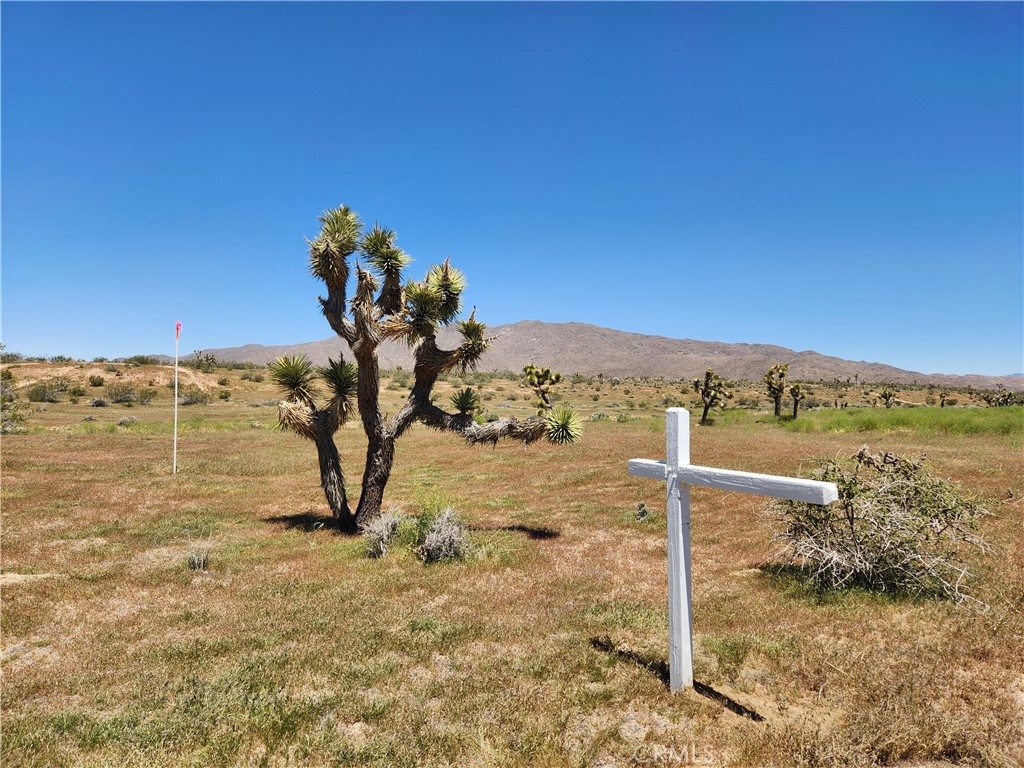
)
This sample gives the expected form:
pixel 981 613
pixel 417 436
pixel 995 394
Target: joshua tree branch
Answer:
pixel 527 432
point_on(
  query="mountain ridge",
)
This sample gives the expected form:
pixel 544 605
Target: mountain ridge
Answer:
pixel 590 350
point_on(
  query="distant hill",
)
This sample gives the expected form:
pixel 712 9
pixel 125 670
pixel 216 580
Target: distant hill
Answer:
pixel 590 349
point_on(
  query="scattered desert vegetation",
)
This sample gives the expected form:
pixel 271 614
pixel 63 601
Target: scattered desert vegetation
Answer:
pixel 220 617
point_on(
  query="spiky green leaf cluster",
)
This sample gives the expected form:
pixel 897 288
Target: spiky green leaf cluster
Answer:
pixel 466 401
pixel 338 239
pixel 341 377
pixel 379 247
pixel 474 342
pixel 563 425
pixel 449 283
pixel 422 305
pixel 294 376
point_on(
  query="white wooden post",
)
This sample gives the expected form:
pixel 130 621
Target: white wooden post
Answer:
pixel 680 610
pixel 678 475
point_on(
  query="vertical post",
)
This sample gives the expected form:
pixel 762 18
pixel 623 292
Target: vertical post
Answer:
pixel 680 610
pixel 174 469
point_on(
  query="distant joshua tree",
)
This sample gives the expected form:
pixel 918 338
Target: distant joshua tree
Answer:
pixel 797 394
pixel 712 392
pixel 775 382
pixel 1001 399
pixel 888 397
pixel 386 305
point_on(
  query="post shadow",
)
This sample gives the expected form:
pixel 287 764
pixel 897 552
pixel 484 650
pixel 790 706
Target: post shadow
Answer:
pixel 659 668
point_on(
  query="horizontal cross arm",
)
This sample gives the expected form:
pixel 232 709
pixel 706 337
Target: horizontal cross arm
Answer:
pixel 792 488
pixel 655 470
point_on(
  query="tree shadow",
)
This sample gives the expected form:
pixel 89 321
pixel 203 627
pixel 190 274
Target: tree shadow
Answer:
pixel 537 533
pixel 310 522
pixel 659 668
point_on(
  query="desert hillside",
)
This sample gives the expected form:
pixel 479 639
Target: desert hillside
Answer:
pixel 590 349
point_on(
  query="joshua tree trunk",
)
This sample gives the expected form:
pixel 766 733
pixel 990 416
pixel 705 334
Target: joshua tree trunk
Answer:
pixel 704 416
pixel 796 407
pixel 380 456
pixel 778 405
pixel 333 482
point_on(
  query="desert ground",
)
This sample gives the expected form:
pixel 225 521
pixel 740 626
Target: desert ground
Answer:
pixel 216 618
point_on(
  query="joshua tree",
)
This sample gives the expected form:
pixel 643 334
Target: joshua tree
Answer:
pixel 712 392
pixel 1000 399
pixel 797 394
pixel 775 381
pixel 385 305
pixel 888 397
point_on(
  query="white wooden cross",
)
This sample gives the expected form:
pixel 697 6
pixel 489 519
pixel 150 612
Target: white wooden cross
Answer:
pixel 678 475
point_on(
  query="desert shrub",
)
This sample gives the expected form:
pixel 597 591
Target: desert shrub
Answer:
pixel 225 394
pixel 99 402
pixel 60 383
pixel 445 540
pixel 127 421
pixel 76 390
pixel 141 360
pixel 223 382
pixel 122 392
pixel 193 395
pixel 894 528
pixel 145 396
pixel 380 532
pixel 111 369
pixel 96 381
pixel 12 412
pixel 250 376
pixel 41 392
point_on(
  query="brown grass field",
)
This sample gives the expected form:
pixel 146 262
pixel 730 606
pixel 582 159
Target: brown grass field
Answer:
pixel 546 648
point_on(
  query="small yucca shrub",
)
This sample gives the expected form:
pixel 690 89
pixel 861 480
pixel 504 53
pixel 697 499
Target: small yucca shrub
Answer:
pixel 466 401
pixel 563 425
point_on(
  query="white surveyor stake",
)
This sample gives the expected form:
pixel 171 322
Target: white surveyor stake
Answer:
pixel 678 475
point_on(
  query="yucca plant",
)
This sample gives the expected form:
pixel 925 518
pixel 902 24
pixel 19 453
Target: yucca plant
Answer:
pixel 298 412
pixel 387 305
pixel 466 401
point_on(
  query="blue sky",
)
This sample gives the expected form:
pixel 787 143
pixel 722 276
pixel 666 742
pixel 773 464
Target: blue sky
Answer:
pixel 843 177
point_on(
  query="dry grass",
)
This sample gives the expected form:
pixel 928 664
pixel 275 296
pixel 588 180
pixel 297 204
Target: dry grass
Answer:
pixel 547 647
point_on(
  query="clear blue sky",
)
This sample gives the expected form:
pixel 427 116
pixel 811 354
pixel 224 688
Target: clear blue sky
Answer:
pixel 843 177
